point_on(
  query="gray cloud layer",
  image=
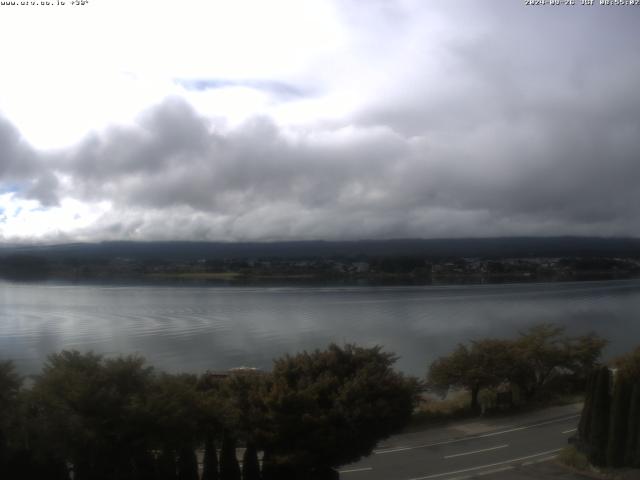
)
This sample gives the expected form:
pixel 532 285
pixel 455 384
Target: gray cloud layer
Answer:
pixel 490 121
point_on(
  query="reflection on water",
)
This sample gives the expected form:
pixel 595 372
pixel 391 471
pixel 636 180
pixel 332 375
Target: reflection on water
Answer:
pixel 198 328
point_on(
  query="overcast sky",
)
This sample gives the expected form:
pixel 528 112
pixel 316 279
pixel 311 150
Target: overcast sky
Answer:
pixel 243 120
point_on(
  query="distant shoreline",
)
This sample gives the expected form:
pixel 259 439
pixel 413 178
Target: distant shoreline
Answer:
pixel 243 279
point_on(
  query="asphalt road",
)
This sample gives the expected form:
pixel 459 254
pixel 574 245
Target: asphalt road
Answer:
pixel 477 448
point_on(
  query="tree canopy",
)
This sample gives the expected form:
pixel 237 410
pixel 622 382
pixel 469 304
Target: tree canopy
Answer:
pixel 529 362
pixel 330 407
pixel 118 418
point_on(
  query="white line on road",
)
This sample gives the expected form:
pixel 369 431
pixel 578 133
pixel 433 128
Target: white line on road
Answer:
pixel 539 460
pixel 473 437
pixel 571 430
pixel 354 470
pixel 476 451
pixel 482 474
pixel 471 469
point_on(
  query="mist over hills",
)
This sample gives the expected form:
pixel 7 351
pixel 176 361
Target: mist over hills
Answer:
pixel 526 247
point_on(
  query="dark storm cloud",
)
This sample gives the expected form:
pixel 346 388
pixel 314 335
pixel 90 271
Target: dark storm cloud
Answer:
pixel 248 176
pixel 22 169
pixel 533 118
pixel 16 158
pixel 484 121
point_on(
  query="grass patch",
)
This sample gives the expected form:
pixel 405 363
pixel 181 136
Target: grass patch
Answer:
pixel 571 457
pixel 456 406
pixel 433 410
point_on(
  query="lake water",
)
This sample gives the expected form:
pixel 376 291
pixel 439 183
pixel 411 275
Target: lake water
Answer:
pixel 195 328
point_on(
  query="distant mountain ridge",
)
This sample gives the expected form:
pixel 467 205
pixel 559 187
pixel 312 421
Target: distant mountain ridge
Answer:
pixel 501 247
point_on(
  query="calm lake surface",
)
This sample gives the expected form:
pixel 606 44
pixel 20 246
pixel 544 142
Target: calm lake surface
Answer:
pixel 195 328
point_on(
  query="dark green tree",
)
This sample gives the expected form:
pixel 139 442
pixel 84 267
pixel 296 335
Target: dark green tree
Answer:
pixel 584 425
pixel 167 465
pixel 631 457
pixel 544 352
pixel 600 418
pixel 629 368
pixel 269 470
pixel 244 407
pixel 629 365
pixel 250 464
pixel 539 355
pixel 145 467
pixel 210 461
pixel 229 467
pixel 10 384
pixel 485 363
pixel 617 438
pixel 92 410
pixel 187 464
pixel 330 407
pixel 174 405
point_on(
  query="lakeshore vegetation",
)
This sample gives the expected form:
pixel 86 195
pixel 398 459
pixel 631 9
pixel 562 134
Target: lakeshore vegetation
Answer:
pixel 118 418
pixel 86 416
pixel 542 362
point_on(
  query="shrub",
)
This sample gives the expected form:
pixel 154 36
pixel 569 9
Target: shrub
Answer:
pixel 571 457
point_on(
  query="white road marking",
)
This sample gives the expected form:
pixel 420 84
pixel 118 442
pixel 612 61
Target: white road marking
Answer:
pixel 476 451
pixel 570 430
pixel 353 470
pixel 495 470
pixel 482 474
pixel 539 460
pixel 481 467
pixel 473 437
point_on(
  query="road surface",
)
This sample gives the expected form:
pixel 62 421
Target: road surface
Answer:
pixel 481 448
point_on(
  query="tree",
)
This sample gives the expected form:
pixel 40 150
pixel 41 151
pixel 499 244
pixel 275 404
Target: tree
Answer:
pixel 584 426
pixel 241 400
pixel 187 464
pixel 633 432
pixel 617 437
pixel 629 368
pixel 174 408
pixel 167 467
pixel 544 352
pixel 92 412
pixel 10 383
pixel 529 362
pixel 583 353
pixel 210 461
pixel 250 464
pixel 600 418
pixel 486 363
pixel 327 408
pixel 629 365
pixel 539 352
pixel 229 468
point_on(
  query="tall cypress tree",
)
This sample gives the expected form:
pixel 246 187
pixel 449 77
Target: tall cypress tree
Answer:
pixel 210 462
pixel 635 460
pixel 229 468
pixel 250 464
pixel 618 422
pixel 268 468
pixel 145 467
pixel 187 464
pixel 600 418
pixel 584 430
pixel 167 468
pixel 633 432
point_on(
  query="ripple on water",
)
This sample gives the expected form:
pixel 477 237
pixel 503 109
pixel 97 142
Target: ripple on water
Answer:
pixel 201 327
